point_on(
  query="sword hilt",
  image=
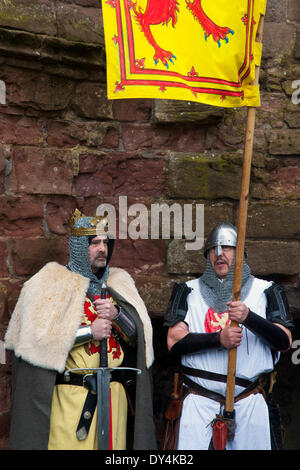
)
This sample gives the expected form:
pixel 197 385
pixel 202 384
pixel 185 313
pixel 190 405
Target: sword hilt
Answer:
pixel 95 369
pixel 104 294
pixel 103 342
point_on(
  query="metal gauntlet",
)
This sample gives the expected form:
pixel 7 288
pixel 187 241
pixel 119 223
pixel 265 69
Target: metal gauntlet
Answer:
pixel 125 326
pixel 83 335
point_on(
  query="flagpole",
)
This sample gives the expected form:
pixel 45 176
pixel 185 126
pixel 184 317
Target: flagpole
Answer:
pixel 242 223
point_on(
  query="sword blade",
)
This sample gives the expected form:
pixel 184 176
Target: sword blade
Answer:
pixel 103 390
pixel 103 405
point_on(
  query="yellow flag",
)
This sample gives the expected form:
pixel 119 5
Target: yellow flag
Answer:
pixel 193 50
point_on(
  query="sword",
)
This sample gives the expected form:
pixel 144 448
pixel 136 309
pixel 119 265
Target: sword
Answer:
pixel 103 397
pixel 103 375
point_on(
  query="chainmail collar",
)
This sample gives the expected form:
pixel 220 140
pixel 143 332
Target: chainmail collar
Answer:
pixel 216 293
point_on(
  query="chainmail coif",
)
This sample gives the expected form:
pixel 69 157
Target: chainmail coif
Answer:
pixel 216 292
pixel 79 261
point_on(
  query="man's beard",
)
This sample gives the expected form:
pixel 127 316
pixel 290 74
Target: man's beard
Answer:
pixel 98 262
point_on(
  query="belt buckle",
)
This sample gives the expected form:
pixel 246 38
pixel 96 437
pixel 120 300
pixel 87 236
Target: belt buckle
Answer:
pixel 90 385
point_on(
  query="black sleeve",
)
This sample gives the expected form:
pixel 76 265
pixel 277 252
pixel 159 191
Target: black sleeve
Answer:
pixel 278 310
pixel 197 342
pixel 269 333
pixel 178 306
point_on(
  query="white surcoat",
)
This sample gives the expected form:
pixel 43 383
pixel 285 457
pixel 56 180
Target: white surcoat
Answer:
pixel 253 358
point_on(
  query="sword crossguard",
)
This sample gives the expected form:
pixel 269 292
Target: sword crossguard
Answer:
pixel 96 369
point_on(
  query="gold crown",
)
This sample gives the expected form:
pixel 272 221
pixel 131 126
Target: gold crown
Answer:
pixel 98 225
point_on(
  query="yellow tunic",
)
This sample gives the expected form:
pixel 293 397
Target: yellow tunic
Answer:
pixel 68 400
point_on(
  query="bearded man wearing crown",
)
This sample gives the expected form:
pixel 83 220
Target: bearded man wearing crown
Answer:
pixel 57 327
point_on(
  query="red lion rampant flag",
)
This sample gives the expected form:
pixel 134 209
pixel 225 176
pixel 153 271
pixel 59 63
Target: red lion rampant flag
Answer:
pixel 193 50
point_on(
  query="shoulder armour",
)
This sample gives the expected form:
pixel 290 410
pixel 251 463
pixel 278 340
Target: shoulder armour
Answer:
pixel 278 310
pixel 177 307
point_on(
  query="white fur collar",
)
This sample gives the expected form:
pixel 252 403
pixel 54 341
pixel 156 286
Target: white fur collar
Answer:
pixel 48 313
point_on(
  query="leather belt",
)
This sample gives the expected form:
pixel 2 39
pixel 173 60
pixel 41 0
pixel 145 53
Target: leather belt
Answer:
pixel 88 381
pixel 255 387
pixel 80 379
pixel 203 374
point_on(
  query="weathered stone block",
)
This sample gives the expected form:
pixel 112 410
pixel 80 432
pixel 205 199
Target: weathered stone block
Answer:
pixel 143 257
pixel 269 220
pixel 276 11
pixel 285 183
pixel 292 114
pixel 297 42
pixel 203 176
pixel 7 129
pixel 29 132
pixel 137 136
pixel 58 211
pixel 116 175
pixel 292 119
pixel 21 216
pixel 36 17
pixel 179 210
pixel 90 101
pixel 30 255
pixel 179 137
pixel 285 142
pixel 36 90
pixel 24 131
pixel 3 259
pixel 2 170
pixel 12 288
pixel 91 134
pixel 183 261
pixel 273 257
pixel 84 3
pixel 264 257
pixel 156 292
pixel 270 113
pixel 41 171
pixel 278 40
pixel 231 131
pixel 170 111
pixel 293 12
pixel 80 24
pixel 4 317
pixel 132 110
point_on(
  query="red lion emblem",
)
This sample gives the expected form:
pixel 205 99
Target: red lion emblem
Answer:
pixel 162 11
pixel 90 314
pixel 215 321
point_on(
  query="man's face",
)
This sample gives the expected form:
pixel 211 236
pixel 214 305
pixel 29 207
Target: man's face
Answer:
pixel 221 264
pixel 98 250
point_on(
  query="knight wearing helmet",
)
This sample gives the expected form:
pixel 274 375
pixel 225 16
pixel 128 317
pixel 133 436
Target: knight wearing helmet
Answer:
pixel 58 325
pixel 198 320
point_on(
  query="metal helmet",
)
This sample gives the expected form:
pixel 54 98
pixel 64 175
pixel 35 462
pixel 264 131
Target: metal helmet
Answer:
pixel 223 234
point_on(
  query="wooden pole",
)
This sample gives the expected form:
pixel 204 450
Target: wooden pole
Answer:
pixel 241 226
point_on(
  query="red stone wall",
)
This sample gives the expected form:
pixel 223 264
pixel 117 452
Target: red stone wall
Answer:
pixel 64 145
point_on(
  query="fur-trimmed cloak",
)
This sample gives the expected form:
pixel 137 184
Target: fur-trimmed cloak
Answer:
pixel 41 333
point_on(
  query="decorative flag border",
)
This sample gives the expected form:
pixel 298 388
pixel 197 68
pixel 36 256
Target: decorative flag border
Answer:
pixel 133 74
